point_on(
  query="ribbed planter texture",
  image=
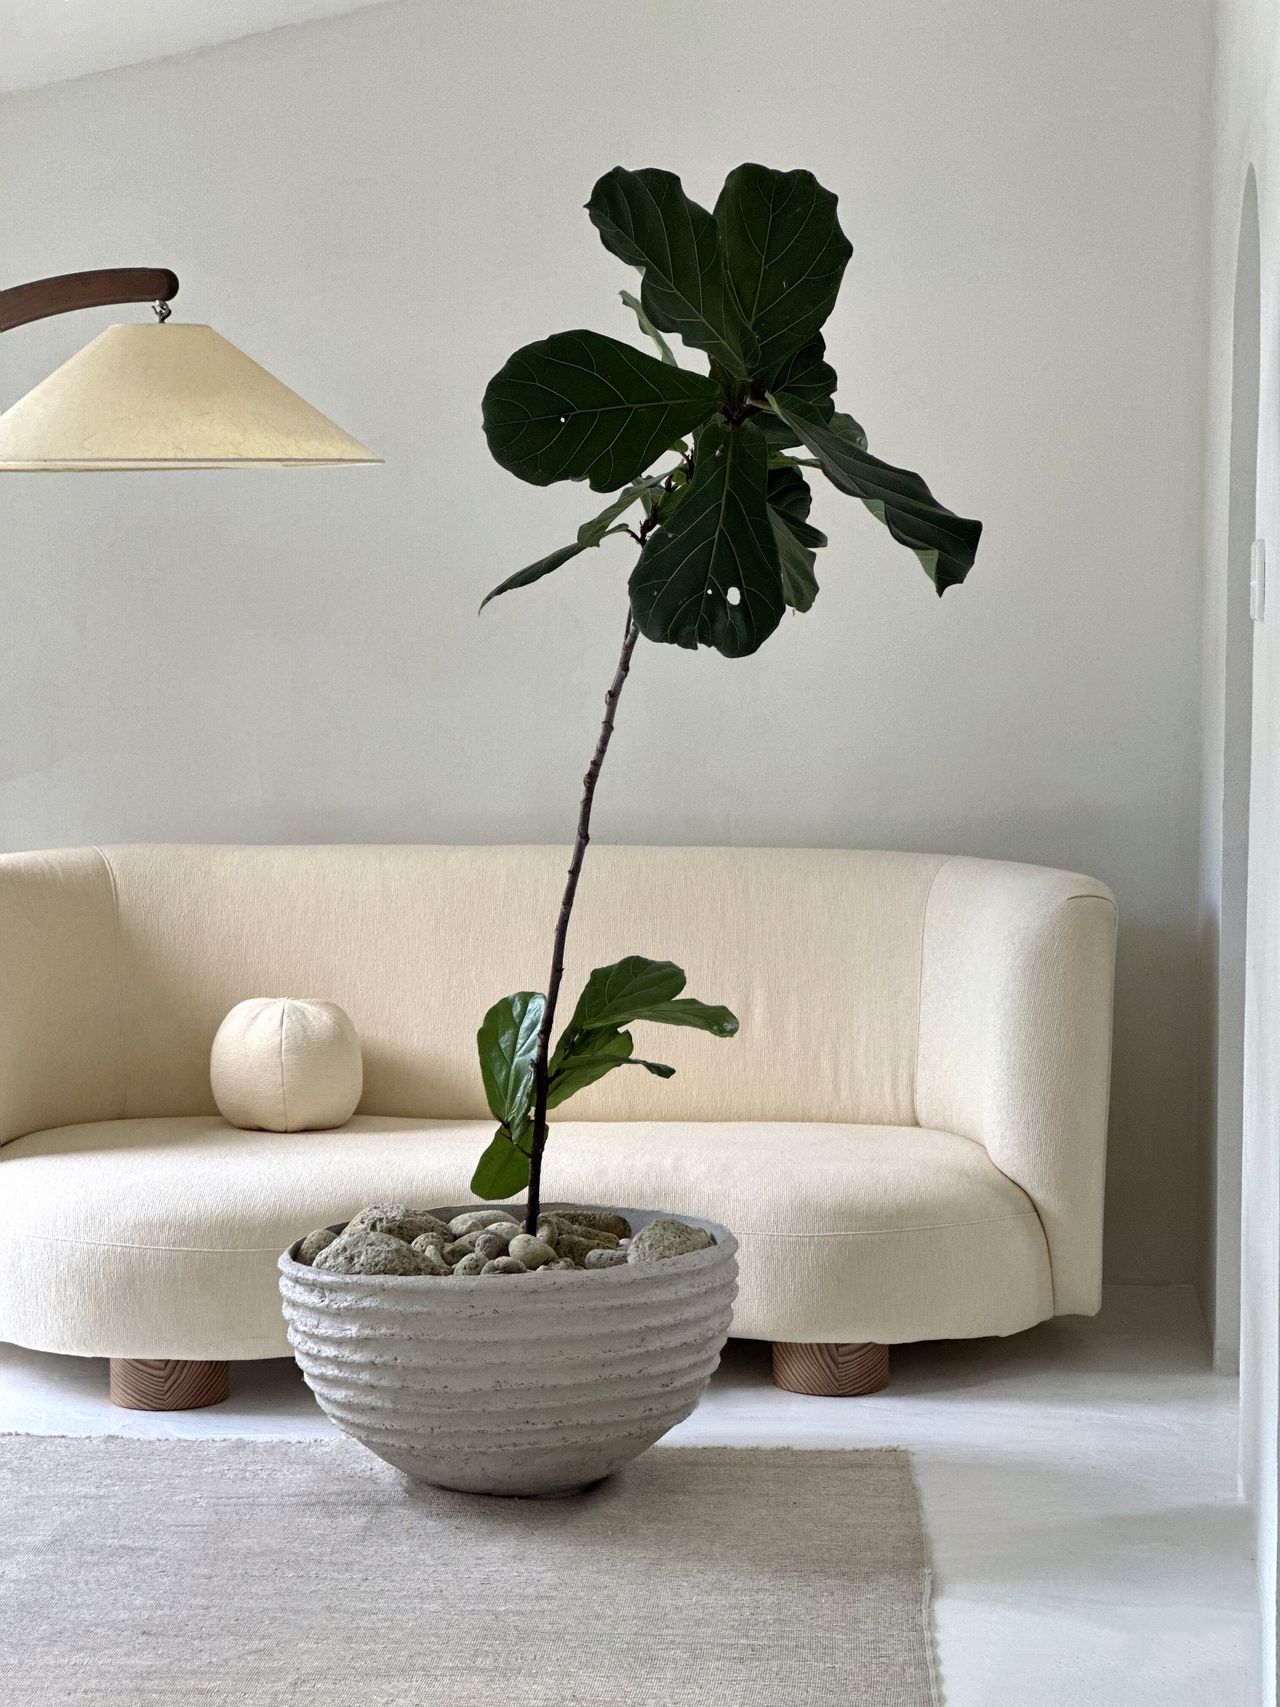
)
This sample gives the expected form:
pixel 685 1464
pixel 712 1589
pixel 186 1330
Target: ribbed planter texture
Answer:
pixel 534 1384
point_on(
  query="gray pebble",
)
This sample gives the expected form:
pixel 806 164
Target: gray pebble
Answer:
pixel 399 1222
pixel 363 1252
pixel 476 1220
pixel 530 1251
pixel 565 1264
pixel 606 1259
pixel 504 1265
pixel 460 1248
pixel 598 1221
pixel 577 1247
pixel 314 1243
pixel 592 1235
pixel 437 1236
pixel 471 1264
pixel 662 1239
pixel 428 1248
pixel 489 1246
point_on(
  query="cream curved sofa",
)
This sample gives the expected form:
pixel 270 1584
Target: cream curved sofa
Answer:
pixel 907 1135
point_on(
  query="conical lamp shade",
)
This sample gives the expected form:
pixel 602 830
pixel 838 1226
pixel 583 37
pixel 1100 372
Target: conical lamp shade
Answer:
pixel 167 397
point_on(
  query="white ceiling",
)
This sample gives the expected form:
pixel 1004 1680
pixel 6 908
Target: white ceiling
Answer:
pixel 45 41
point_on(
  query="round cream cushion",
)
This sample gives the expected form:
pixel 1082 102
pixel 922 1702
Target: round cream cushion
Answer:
pixel 280 1064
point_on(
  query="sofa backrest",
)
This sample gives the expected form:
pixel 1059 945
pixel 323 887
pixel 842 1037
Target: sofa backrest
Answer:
pixel 818 952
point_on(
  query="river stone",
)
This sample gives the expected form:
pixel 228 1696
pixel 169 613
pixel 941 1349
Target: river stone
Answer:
pixel 489 1246
pixel 530 1251
pixel 503 1230
pixel 662 1239
pixel 605 1259
pixel 314 1243
pixel 363 1252
pixel 463 1247
pixel 580 1246
pixel 505 1265
pixel 471 1264
pixel 593 1236
pixel 428 1248
pixel 399 1222
pixel 476 1220
pixel 597 1221
pixel 564 1226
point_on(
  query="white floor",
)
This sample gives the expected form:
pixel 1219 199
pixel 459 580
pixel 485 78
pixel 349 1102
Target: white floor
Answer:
pixel 1079 1488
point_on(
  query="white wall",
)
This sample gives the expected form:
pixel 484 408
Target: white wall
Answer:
pixel 380 207
pixel 1226 733
pixel 1248 134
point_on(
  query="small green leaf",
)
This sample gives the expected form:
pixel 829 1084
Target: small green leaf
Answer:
pixel 945 543
pixel 502 1170
pixel 648 328
pixel 589 1058
pixel 646 220
pixel 658 1068
pixel 599 527
pixel 784 255
pixel 579 406
pixel 508 1046
pixel 592 532
pixel 798 542
pixel 799 582
pixel 790 496
pixel 710 575
pixel 547 565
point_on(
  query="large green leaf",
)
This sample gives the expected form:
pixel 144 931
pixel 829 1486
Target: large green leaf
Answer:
pixel 508 1046
pixel 783 254
pixel 580 406
pixel 646 220
pixel 503 1170
pixel 614 995
pixel 710 575
pixel 631 990
pixel 808 376
pixel 945 543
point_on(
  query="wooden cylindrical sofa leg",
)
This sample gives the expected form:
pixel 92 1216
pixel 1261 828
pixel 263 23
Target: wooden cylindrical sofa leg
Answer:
pixel 839 1371
pixel 167 1384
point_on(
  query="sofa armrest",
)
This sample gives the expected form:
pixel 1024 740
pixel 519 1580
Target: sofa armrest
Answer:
pixel 1015 1043
pixel 60 1038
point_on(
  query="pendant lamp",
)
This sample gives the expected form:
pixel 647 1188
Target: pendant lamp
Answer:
pixel 155 396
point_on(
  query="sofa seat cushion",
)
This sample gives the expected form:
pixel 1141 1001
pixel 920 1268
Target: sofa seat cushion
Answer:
pixel 159 1238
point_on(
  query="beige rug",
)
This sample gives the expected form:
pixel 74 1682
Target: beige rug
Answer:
pixel 286 1574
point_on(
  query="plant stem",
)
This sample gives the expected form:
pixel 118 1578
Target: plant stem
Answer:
pixel 589 781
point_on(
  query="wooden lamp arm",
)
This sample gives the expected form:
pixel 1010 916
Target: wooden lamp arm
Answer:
pixel 69 291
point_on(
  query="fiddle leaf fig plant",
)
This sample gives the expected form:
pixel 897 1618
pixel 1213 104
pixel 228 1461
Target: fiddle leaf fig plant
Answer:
pixel 726 545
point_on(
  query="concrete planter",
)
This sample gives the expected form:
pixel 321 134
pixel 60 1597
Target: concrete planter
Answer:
pixel 533 1384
